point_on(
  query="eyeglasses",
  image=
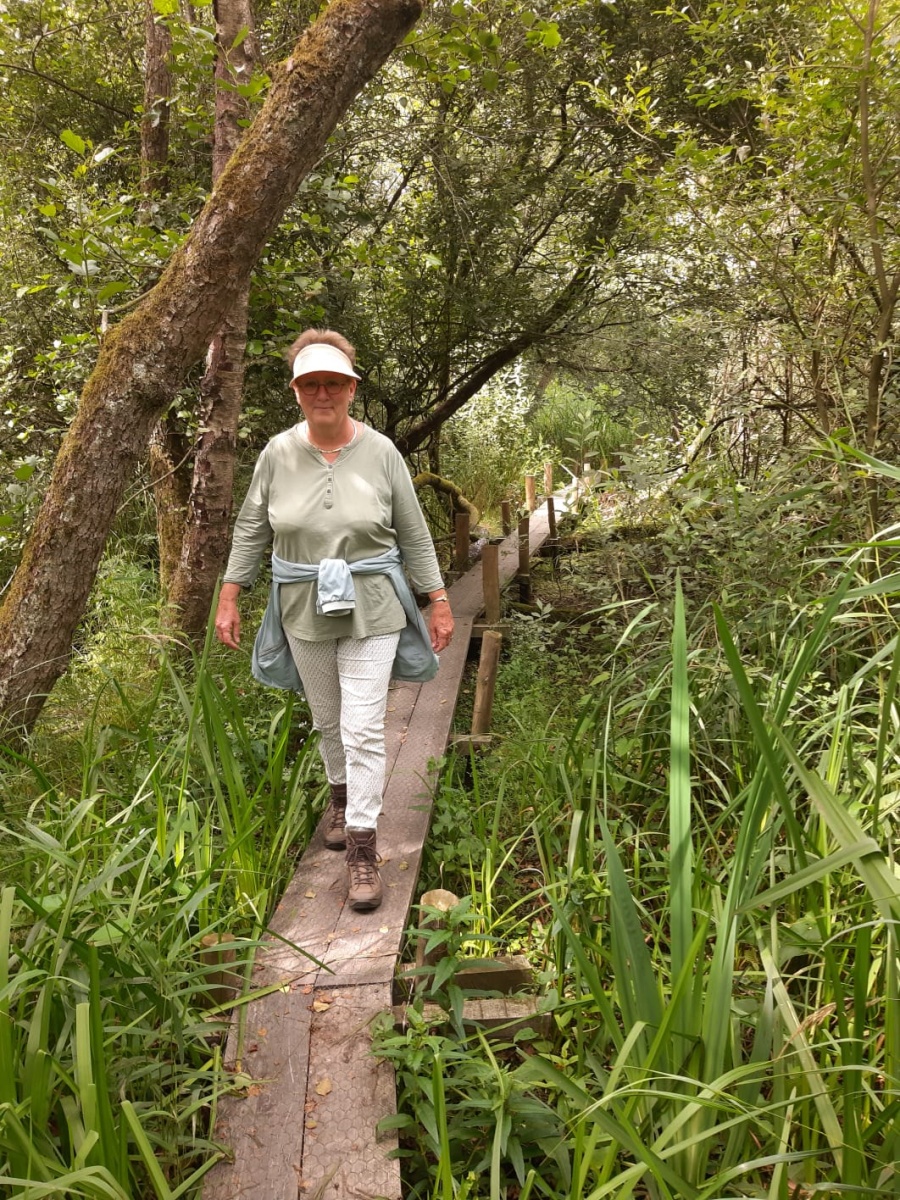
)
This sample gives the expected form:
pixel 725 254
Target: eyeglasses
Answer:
pixel 310 387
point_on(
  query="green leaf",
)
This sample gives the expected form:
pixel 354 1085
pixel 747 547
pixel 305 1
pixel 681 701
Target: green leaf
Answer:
pixel 165 8
pixel 161 1188
pixel 811 873
pixel 109 290
pixel 871 864
pixel 682 867
pixel 84 269
pixel 255 346
pixel 73 141
pixel 24 472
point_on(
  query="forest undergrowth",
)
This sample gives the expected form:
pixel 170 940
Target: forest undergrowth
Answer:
pixel 686 821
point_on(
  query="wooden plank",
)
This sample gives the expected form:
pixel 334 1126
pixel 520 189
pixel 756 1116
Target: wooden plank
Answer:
pixel 402 699
pixel 479 628
pixel 506 974
pixel 500 1019
pixel 490 577
pixel 264 1125
pixel 348 1093
pixel 466 743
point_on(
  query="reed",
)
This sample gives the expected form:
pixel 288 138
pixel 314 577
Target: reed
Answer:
pixel 186 825
pixel 716 922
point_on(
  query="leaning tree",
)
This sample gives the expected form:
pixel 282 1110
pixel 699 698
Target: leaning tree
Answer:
pixel 144 359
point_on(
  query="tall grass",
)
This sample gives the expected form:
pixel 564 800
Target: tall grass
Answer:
pixel 717 917
pixel 185 828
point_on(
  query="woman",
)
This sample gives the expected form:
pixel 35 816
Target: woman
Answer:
pixel 335 498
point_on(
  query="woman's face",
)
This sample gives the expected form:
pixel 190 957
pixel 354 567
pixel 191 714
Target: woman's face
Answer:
pixel 326 408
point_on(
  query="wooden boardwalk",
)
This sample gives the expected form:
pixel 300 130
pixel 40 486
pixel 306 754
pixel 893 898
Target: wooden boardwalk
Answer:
pixel 306 1124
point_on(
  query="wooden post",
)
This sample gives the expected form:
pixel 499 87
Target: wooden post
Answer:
pixel 548 479
pixel 506 517
pixel 222 985
pixel 524 573
pixel 530 493
pixel 490 583
pixel 551 518
pixel 443 901
pixel 484 686
pixel 461 554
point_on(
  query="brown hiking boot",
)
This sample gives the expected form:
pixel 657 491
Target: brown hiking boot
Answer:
pixel 362 864
pixel 336 817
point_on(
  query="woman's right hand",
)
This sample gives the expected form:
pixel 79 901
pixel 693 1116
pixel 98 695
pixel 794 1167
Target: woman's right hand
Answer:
pixel 228 619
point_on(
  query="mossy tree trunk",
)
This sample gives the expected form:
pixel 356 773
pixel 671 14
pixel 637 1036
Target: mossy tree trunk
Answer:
pixel 170 477
pixel 169 453
pixel 144 359
pixel 157 96
pixel 204 539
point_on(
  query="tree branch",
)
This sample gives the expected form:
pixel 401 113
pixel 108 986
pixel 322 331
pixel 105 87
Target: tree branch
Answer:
pixel 67 87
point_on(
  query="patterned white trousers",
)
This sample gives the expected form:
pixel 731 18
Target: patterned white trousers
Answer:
pixel 346 685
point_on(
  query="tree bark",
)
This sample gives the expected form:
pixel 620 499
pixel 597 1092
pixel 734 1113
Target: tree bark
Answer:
pixel 170 449
pixel 170 473
pixel 157 93
pixel 204 540
pixel 145 358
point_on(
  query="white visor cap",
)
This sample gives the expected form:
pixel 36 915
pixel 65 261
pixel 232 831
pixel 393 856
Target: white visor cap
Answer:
pixel 320 357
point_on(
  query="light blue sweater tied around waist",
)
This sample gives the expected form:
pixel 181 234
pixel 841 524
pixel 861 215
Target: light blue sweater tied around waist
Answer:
pixel 273 664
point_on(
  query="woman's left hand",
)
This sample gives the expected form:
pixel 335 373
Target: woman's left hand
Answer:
pixel 440 626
